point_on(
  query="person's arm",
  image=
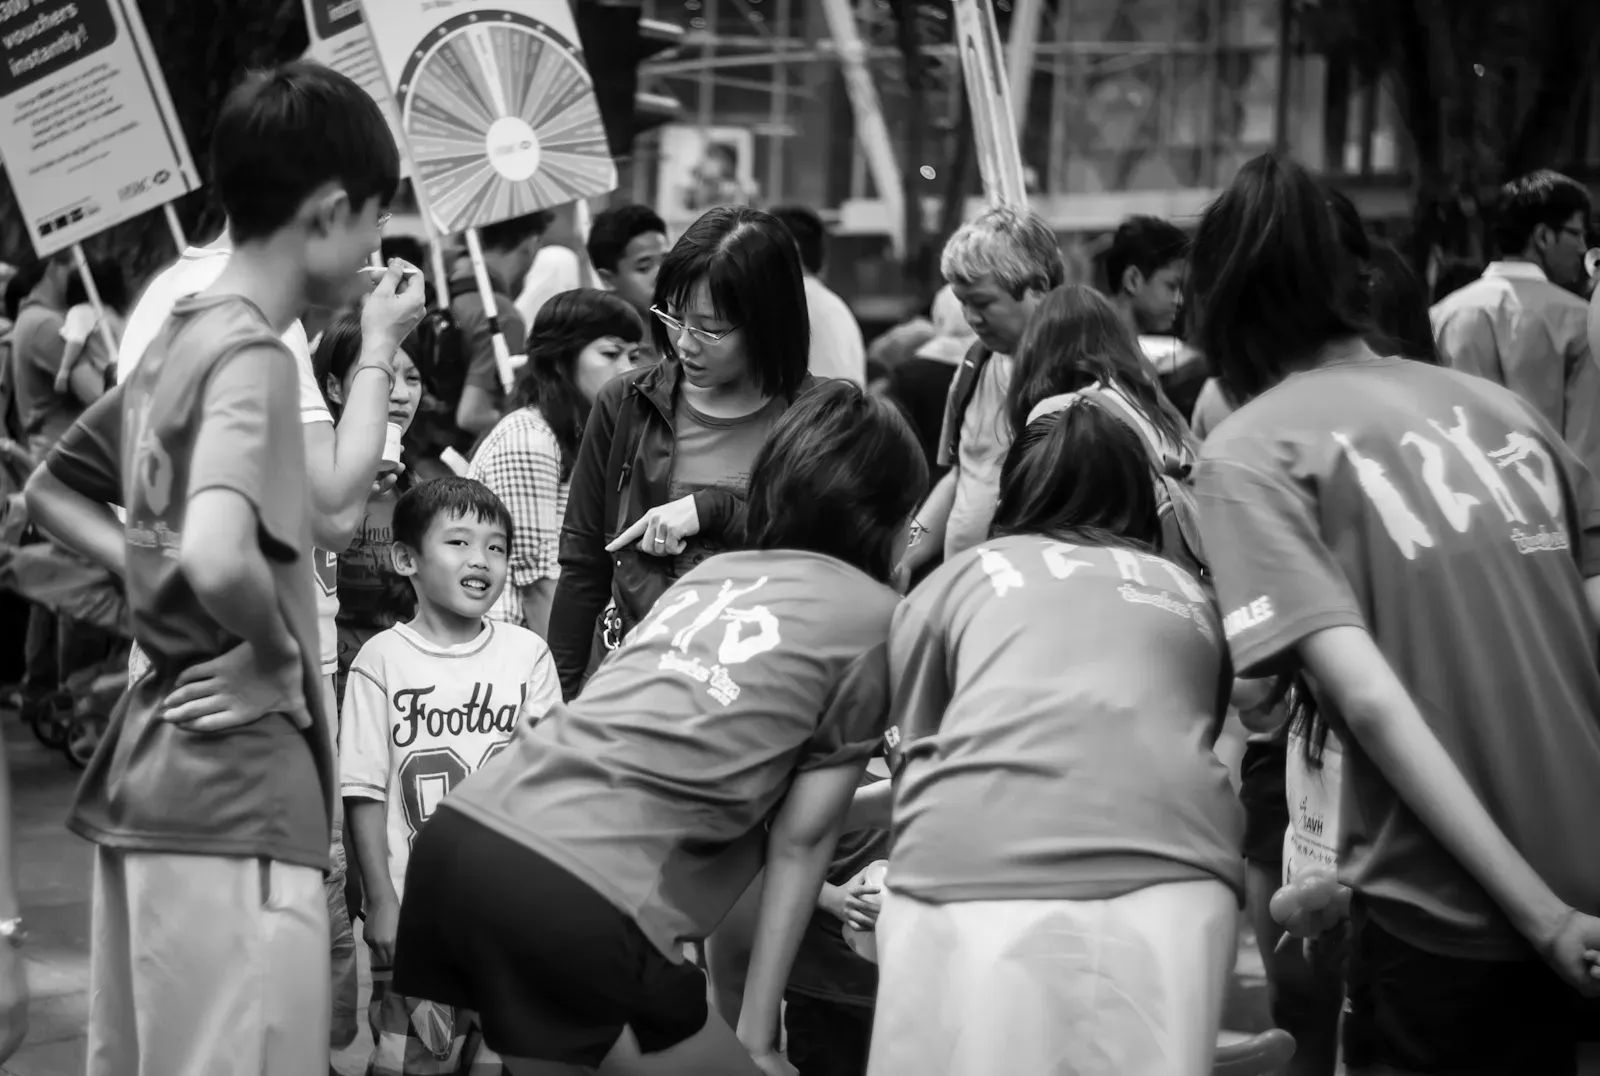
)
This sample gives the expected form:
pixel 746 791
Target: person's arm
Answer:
pixel 799 848
pixel 1384 720
pixel 476 412
pixel 871 807
pixel 13 979
pixel 222 560
pixel 364 778
pixel 1591 591
pixel 932 519
pixel 537 599
pixel 68 494
pixel 85 526
pixel 87 382
pixel 585 583
pixel 342 462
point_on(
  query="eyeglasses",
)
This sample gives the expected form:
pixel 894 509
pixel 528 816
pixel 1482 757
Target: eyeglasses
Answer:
pixel 676 327
pixel 384 219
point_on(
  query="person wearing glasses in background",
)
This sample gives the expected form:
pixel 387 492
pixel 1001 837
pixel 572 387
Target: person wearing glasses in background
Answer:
pixel 1522 324
pixel 659 481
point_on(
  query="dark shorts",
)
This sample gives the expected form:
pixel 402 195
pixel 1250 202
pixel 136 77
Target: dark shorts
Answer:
pixel 1265 795
pixel 1421 1012
pixel 553 969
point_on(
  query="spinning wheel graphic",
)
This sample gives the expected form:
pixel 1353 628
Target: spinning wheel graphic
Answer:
pixel 501 120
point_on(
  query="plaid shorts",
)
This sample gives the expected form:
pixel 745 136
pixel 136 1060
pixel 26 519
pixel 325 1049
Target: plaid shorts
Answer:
pixel 423 1038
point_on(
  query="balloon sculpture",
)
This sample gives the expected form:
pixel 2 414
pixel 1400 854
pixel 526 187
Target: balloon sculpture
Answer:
pixel 1312 903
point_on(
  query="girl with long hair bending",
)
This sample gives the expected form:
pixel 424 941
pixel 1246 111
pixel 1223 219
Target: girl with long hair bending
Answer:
pixel 554 890
pixel 1066 873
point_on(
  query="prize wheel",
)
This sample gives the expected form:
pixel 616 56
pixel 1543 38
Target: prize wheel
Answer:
pixel 500 116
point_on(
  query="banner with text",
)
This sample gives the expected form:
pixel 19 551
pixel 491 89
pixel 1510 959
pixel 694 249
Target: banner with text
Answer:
pixel 339 39
pixel 496 107
pixel 87 130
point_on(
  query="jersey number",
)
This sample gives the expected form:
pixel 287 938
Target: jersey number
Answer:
pixel 427 777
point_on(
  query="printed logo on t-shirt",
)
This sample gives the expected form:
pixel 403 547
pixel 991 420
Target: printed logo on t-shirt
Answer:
pixel 326 569
pixel 153 480
pixel 1057 557
pixel 416 716
pixel 1245 617
pixel 748 632
pixel 1522 455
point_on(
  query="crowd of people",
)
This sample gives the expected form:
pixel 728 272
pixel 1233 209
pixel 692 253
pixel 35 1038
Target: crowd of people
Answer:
pixel 719 713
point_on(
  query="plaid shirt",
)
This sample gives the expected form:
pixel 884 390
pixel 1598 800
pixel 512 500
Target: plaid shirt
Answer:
pixel 521 461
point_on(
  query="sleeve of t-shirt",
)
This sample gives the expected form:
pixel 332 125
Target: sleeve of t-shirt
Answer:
pixel 1277 581
pixel 544 687
pixel 852 722
pixel 1467 342
pixel 233 448
pixel 313 405
pixel 919 681
pixel 364 731
pixel 1581 410
pixel 482 371
pixel 79 324
pixel 88 457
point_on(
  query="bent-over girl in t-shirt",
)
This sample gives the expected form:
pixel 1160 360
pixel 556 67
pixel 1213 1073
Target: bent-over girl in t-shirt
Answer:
pixel 553 891
pixel 1064 888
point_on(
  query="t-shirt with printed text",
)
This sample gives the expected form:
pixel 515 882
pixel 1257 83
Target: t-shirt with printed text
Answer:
pixel 1439 512
pixel 654 786
pixel 715 453
pixel 214 406
pixel 1054 711
pixel 419 718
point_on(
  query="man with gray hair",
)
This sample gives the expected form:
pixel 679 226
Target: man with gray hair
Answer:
pixel 999 266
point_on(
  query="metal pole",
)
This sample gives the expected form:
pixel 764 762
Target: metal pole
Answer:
pixel 705 93
pixel 175 226
pixel 1020 52
pixel 780 107
pixel 1280 127
pixel 871 129
pixel 502 350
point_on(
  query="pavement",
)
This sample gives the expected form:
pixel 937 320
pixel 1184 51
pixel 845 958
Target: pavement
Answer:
pixel 53 869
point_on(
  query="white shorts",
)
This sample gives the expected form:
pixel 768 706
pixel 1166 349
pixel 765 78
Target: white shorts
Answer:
pixel 1131 986
pixel 207 966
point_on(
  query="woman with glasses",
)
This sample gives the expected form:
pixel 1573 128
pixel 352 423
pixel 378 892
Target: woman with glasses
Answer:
pixel 659 481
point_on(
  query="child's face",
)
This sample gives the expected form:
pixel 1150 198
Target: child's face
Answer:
pixel 600 361
pixel 404 396
pixel 461 567
pixel 341 241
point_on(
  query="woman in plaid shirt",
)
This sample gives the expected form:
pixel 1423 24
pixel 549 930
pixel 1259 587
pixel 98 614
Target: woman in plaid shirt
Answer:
pixel 580 340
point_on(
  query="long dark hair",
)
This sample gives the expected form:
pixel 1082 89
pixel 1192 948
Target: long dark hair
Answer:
pixel 1075 340
pixel 840 474
pixel 567 323
pixel 1271 283
pixel 1399 304
pixel 1079 474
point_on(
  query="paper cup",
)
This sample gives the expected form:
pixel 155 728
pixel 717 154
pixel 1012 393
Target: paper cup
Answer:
pixel 391 447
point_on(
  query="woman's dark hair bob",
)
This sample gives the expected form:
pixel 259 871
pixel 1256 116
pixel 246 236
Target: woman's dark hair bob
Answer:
pixel 1271 280
pixel 840 475
pixel 1079 475
pixel 751 268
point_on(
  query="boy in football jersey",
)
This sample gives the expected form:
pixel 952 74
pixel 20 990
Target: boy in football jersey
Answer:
pixel 427 703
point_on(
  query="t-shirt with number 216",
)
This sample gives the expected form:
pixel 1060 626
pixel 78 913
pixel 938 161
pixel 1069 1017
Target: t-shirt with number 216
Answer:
pixel 418 718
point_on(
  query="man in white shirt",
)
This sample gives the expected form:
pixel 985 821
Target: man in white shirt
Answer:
pixel 999 266
pixel 837 347
pixel 1518 324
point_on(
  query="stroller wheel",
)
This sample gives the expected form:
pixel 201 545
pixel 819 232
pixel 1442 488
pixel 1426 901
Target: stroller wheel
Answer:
pixel 48 721
pixel 83 736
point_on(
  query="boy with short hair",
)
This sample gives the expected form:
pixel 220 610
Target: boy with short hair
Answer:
pixel 626 244
pixel 210 926
pixel 427 704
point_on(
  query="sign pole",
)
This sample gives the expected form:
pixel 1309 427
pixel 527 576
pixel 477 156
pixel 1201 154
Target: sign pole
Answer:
pixel 441 275
pixel 82 261
pixel 175 226
pixel 502 351
pixel 582 221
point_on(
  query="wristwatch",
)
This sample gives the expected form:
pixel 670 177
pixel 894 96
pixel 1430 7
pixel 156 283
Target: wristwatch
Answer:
pixel 13 932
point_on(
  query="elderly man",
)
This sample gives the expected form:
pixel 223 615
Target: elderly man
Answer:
pixel 999 266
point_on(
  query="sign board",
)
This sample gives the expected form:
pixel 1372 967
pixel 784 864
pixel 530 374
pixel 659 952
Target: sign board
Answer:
pixel 339 39
pixel 701 167
pixel 496 107
pixel 993 125
pixel 87 131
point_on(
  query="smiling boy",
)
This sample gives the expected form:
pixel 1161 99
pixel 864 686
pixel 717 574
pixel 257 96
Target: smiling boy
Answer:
pixel 427 704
